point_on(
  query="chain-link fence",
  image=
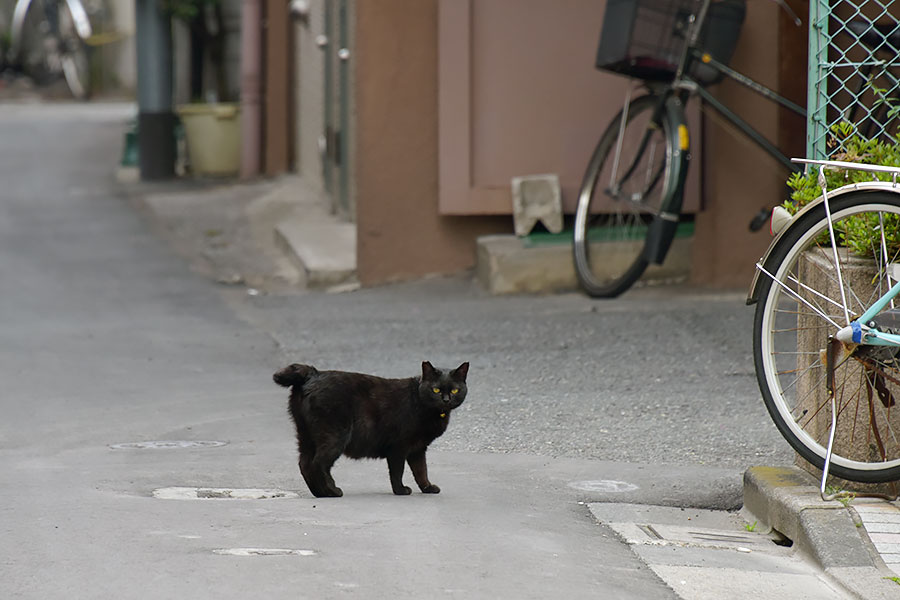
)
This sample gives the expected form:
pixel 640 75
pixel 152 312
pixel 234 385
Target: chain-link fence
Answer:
pixel 854 72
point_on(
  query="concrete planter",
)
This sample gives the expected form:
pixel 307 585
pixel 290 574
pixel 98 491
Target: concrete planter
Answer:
pixel 213 136
pixel 853 436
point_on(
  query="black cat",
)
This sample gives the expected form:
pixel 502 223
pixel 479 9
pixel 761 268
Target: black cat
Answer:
pixel 363 416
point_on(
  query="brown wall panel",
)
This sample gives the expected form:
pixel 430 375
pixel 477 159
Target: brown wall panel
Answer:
pixel 400 233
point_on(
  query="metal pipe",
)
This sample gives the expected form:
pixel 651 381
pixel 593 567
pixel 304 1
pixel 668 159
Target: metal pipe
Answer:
pixel 251 82
pixel 156 121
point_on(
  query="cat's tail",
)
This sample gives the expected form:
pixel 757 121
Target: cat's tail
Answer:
pixel 294 375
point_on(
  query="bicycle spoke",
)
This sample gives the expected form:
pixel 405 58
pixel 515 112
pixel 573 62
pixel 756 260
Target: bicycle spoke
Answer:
pixel 798 297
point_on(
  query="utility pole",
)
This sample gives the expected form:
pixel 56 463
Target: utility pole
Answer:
pixel 156 121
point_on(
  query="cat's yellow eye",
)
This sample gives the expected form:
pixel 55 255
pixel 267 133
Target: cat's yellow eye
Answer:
pixel 436 390
pixel 454 391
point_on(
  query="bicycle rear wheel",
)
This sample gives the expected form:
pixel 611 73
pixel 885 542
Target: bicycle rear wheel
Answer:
pixel 628 181
pixel 800 306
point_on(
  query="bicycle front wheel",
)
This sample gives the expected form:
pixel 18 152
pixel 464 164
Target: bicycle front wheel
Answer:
pixel 74 54
pixel 627 183
pixel 801 305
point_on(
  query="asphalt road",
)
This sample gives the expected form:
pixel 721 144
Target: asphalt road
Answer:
pixel 109 338
pixel 662 375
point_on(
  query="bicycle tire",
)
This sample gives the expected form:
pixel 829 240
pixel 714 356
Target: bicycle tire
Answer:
pixel 790 335
pixel 29 47
pixel 74 54
pixel 621 234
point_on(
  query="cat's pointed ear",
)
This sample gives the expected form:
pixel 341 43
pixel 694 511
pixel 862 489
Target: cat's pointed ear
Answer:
pixel 427 370
pixel 461 371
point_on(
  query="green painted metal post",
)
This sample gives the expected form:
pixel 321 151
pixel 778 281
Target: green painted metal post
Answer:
pixel 817 80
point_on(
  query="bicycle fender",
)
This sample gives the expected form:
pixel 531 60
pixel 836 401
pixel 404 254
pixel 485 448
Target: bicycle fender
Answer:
pixel 659 237
pixel 867 186
pixel 665 223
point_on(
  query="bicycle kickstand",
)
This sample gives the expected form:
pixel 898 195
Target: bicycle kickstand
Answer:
pixel 832 352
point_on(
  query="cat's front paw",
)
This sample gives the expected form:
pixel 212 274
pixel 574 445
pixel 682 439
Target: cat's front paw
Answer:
pixel 329 492
pixel 403 491
pixel 431 489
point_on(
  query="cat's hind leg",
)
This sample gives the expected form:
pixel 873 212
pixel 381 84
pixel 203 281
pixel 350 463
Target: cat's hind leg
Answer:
pixel 306 448
pixel 309 473
pixel 320 469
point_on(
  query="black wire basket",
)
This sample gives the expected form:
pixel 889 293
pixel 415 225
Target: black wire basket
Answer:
pixel 645 39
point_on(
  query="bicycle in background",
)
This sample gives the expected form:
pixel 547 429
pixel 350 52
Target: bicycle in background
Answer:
pixel 48 40
pixel 630 199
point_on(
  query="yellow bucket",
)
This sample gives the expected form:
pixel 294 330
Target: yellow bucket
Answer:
pixel 213 136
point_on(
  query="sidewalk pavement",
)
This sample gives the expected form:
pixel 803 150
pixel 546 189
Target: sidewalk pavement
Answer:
pixel 265 234
pixel 258 234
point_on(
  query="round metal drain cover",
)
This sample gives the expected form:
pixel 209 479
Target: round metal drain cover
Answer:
pixel 264 552
pixel 606 486
pixel 167 445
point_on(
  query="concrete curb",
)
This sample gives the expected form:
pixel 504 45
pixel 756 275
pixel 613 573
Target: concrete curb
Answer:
pixel 787 500
pixel 507 264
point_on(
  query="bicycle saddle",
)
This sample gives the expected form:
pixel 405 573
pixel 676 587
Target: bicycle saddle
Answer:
pixel 874 35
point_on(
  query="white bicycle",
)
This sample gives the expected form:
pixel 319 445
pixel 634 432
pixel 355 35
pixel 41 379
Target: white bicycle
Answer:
pixel 48 40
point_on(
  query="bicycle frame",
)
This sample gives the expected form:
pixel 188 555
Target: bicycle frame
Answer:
pixel 735 120
pixel 684 81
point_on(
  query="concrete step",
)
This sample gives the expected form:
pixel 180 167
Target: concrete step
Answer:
pixel 542 263
pixel 325 250
pixel 320 244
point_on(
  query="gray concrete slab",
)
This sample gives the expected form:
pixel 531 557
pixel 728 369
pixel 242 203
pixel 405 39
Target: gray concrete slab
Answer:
pixel 706 554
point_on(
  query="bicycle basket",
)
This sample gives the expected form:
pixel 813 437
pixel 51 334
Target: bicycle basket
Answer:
pixel 644 39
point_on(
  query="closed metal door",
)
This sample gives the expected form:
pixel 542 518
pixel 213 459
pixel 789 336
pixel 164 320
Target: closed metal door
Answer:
pixel 336 59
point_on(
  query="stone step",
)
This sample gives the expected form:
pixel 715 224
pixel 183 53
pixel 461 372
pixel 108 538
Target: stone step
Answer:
pixel 323 248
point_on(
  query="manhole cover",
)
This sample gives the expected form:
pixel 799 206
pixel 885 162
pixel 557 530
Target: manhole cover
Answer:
pixel 192 493
pixel 606 486
pixel 167 445
pixel 264 552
